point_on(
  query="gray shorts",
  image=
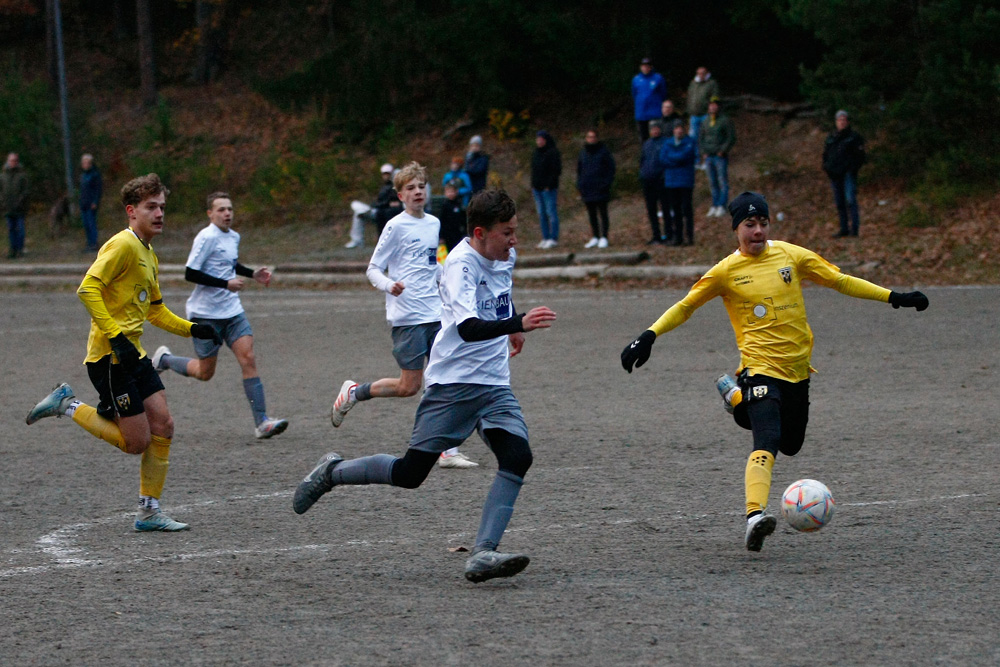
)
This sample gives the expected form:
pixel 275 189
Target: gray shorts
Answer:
pixel 411 344
pixel 230 330
pixel 449 413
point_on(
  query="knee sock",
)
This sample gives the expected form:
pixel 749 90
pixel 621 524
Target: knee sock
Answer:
pixel 175 362
pixel 497 509
pixel 363 391
pixel 254 389
pixel 758 480
pixel 375 469
pixel 153 468
pixel 105 429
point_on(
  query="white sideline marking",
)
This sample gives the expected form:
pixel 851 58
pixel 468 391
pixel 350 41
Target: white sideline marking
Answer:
pixel 60 544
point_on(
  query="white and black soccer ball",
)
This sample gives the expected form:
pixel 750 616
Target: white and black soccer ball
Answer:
pixel 807 505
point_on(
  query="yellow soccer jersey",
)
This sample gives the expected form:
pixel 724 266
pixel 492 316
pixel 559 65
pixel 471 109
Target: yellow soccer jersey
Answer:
pixel 763 296
pixel 120 290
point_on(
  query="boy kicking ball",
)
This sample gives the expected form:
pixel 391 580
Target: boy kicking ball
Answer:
pixel 468 387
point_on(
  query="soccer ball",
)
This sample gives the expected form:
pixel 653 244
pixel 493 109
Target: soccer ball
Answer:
pixel 807 505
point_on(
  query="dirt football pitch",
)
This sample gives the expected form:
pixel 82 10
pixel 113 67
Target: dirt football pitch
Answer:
pixel 631 513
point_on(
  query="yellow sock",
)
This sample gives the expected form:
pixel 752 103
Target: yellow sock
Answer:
pixel 105 429
pixel 153 469
pixel 758 479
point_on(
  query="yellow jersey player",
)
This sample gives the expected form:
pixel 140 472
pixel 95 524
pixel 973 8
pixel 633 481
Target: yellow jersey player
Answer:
pixel 760 285
pixel 121 292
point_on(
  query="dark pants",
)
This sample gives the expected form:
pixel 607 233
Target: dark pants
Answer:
pixel 643 126
pixel 89 216
pixel 776 411
pixel 593 209
pixel 656 198
pixel 15 229
pixel 681 215
pixel 845 196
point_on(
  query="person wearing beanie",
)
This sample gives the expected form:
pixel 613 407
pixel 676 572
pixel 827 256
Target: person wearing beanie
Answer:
pixel 649 89
pixel 477 164
pixel 546 168
pixel 843 155
pixel 761 287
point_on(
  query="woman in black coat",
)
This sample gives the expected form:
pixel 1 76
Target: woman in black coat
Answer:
pixel 595 172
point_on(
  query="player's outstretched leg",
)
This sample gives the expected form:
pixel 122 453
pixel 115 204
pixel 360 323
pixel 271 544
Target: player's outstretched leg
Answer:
pixel 344 402
pixel 759 526
pixel 53 405
pixel 731 394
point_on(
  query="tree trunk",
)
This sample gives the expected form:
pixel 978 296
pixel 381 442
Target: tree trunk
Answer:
pixel 123 31
pixel 147 63
pixel 50 42
pixel 203 14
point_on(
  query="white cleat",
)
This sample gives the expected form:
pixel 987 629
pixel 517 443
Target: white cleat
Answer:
pixel 158 357
pixel 459 460
pixel 758 527
pixel 270 428
pixel 345 401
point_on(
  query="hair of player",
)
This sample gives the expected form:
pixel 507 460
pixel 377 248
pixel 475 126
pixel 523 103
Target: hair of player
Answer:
pixel 210 199
pixel 411 172
pixel 488 208
pixel 141 188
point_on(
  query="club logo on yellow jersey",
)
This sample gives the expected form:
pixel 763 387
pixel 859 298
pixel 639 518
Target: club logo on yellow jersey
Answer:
pixel 122 402
pixel 786 274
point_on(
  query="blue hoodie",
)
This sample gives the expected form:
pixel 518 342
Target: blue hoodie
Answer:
pixel 648 93
pixel 678 160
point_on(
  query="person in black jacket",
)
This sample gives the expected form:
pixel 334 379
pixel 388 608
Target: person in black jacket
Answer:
pixel 477 164
pixel 91 190
pixel 651 176
pixel 843 155
pixel 452 217
pixel 546 167
pixel 595 172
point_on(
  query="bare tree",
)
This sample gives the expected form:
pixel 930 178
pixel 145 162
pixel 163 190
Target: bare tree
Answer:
pixel 147 62
pixel 208 16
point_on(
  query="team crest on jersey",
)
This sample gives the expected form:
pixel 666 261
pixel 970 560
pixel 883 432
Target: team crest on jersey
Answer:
pixel 122 402
pixel 760 391
pixel 786 274
pixel 142 296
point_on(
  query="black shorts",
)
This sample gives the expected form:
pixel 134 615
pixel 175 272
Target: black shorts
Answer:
pixel 777 411
pixel 120 392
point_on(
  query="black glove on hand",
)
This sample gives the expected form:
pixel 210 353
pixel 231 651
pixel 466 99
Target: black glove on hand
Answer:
pixel 127 355
pixel 638 351
pixel 207 332
pixel 909 300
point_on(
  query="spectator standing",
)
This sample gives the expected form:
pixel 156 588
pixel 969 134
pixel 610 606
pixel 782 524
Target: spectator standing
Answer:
pixel 546 167
pixel 678 156
pixel 843 155
pixel 668 114
pixel 595 172
pixel 651 176
pixel 715 139
pixel 701 89
pixel 457 173
pixel 385 207
pixel 91 189
pixel 649 89
pixel 14 202
pixel 452 217
pixel 477 164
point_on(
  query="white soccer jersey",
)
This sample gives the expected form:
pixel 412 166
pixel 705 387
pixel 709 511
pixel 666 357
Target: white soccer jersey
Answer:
pixel 472 286
pixel 214 252
pixel 407 248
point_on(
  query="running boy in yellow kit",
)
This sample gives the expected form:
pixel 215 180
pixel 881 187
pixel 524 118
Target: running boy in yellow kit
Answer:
pixel 760 285
pixel 121 291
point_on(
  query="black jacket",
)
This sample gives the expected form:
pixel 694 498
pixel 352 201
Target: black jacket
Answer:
pixel 453 222
pixel 546 165
pixel 844 152
pixel 595 172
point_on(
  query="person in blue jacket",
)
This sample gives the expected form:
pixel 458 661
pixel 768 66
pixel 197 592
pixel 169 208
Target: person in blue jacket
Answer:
pixel 457 173
pixel 477 164
pixel 678 156
pixel 651 177
pixel 91 189
pixel 649 89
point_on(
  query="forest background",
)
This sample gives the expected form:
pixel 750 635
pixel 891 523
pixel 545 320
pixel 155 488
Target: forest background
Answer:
pixel 292 106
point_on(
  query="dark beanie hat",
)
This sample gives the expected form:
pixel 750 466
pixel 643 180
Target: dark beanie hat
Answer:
pixel 747 205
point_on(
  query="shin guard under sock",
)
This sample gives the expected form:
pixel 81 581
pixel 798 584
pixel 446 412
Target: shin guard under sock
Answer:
pixel 758 479
pixel 154 465
pixel 497 509
pixel 105 429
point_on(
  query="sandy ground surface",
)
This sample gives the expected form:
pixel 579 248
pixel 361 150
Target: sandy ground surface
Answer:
pixel 631 513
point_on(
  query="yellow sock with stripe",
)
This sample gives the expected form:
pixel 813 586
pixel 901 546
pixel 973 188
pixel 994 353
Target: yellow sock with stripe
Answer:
pixel 153 468
pixel 105 429
pixel 758 479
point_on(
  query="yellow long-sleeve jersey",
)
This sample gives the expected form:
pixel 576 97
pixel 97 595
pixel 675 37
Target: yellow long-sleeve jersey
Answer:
pixel 763 296
pixel 121 291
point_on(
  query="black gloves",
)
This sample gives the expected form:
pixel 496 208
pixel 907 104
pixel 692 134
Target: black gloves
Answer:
pixel 909 300
pixel 205 331
pixel 638 351
pixel 128 355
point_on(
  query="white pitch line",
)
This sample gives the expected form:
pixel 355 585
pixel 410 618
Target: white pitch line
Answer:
pixel 60 544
